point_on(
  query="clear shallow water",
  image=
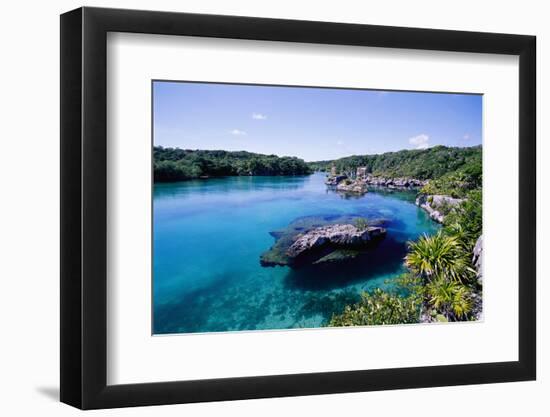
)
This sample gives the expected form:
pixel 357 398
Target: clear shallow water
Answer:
pixel 209 235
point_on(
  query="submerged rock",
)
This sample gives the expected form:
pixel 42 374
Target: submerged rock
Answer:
pixel 339 255
pixel 315 240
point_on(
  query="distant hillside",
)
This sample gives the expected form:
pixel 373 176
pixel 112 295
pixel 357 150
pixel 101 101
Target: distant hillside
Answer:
pixel 174 164
pixel 431 163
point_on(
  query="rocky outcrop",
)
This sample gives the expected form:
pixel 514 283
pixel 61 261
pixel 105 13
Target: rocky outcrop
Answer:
pixel 355 187
pixel 477 259
pixel 438 206
pixel 334 248
pixel 344 184
pixel 335 179
pixel 338 236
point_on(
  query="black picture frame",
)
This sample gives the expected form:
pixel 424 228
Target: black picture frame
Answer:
pixel 84 207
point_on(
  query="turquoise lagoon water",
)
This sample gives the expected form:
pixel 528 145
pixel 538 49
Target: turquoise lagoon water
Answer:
pixel 209 235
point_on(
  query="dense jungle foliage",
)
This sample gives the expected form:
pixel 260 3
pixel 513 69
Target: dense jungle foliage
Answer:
pixel 421 164
pixel 174 164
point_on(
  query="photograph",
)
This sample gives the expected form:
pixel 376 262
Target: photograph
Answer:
pixel 300 207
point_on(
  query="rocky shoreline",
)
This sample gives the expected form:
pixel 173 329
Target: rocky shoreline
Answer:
pixel 437 206
pixel 402 182
pixel 354 187
pixel 394 182
pixel 359 184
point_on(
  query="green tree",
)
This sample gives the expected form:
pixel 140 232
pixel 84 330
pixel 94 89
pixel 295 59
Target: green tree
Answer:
pixel 173 164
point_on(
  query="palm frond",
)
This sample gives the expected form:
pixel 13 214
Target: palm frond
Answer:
pixel 438 255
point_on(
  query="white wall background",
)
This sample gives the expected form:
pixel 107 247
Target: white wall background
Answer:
pixel 29 225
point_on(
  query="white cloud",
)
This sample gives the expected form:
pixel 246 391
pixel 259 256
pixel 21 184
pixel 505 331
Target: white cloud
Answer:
pixel 420 141
pixel 259 116
pixel 466 137
pixel 340 142
pixel 237 132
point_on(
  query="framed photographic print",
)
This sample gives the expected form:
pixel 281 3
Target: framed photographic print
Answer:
pixel 258 207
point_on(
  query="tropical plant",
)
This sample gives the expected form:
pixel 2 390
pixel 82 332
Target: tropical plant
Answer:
pixel 438 255
pixel 449 298
pixel 361 223
pixel 380 307
pixel 469 215
pixel 463 236
pixel 408 284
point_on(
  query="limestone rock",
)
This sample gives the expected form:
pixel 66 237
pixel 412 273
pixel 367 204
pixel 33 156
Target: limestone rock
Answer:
pixel 477 259
pixel 327 252
pixel 394 182
pixel 338 235
pixel 355 187
pixel 335 179
pixel 438 206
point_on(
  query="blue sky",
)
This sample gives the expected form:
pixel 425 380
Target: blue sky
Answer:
pixel 310 123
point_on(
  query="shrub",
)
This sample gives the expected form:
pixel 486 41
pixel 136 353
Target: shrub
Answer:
pixel 361 223
pixel 379 307
pixel 469 215
pixel 449 298
pixel 439 255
